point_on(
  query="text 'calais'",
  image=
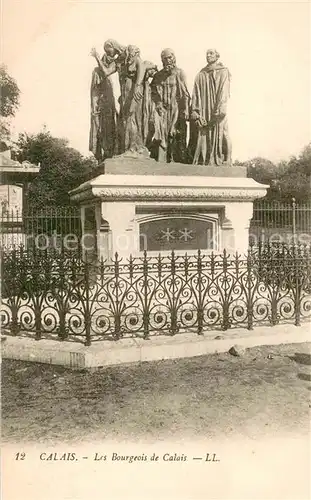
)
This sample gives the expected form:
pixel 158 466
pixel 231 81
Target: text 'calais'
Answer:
pixel 58 456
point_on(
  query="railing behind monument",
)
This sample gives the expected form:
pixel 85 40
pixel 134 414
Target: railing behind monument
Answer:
pixel 50 227
pixel 59 295
pixel 280 221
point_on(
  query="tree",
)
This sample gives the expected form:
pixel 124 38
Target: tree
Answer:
pixel 287 179
pixel 9 103
pixel 62 168
pixel 304 159
pixel 294 180
pixel 261 170
pixel 10 94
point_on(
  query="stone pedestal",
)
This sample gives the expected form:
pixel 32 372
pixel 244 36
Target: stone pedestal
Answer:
pixel 164 207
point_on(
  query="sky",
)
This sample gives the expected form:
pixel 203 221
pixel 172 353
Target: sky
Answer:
pixel 266 46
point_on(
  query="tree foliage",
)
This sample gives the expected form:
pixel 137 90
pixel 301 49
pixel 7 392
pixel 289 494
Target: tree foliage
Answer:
pixel 62 168
pixel 287 179
pixel 295 180
pixel 261 170
pixel 9 93
pixel 9 103
pixel 5 134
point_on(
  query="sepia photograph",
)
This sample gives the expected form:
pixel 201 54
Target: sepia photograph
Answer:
pixel 155 243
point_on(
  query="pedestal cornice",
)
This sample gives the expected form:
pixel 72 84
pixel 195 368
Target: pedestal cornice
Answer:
pixel 160 188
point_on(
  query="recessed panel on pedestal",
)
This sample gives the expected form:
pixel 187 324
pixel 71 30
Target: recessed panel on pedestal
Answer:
pixel 177 233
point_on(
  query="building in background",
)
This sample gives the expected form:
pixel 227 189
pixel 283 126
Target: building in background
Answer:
pixel 15 178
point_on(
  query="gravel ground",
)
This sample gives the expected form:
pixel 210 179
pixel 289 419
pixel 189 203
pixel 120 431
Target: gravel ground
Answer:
pixel 264 392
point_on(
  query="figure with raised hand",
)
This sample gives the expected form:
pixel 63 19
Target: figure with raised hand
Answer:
pixel 103 139
pixel 135 108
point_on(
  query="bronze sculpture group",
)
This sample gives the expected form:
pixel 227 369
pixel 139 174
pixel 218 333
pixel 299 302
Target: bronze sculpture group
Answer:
pixel 154 107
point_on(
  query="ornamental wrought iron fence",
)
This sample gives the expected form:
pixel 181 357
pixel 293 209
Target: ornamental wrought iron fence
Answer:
pixel 60 295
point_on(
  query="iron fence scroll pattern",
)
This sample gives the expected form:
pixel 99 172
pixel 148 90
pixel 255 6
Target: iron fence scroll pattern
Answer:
pixel 59 295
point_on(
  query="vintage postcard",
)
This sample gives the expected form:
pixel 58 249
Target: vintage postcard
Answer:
pixel 155 250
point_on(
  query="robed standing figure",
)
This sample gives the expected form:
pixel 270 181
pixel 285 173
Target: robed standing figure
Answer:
pixel 172 101
pixel 135 100
pixel 103 133
pixel 104 141
pixel 209 138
